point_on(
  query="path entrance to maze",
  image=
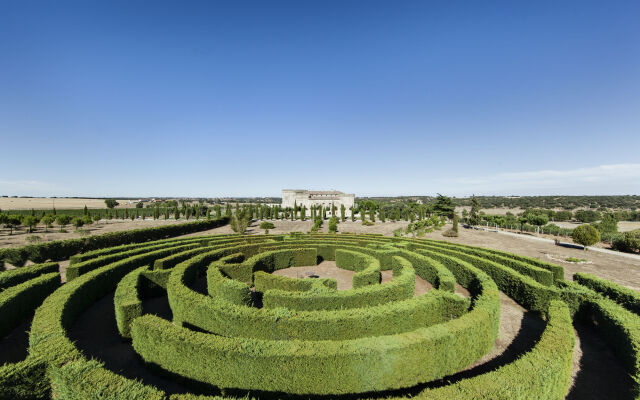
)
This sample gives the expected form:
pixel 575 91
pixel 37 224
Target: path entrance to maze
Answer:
pixel 233 316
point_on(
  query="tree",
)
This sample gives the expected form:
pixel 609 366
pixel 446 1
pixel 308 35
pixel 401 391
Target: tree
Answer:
pixel 474 215
pixel 77 222
pixel 444 206
pixel 176 213
pixel 333 224
pixel 30 222
pixel 111 203
pixel 383 217
pixel 85 211
pixel 455 222
pixel 208 213
pixel 62 221
pixel 465 214
pixel 372 214
pixel 266 225
pixel 343 211
pixel 96 217
pixel 47 221
pixel 12 222
pixel 586 235
pixel 239 222
pixel 353 214
pixel 303 213
pixel 608 224
pixel 227 210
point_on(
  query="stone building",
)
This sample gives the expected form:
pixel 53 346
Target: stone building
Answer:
pixel 310 198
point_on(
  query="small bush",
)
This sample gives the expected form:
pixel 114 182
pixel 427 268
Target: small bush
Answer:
pixel 267 225
pixel 450 233
pixel 586 235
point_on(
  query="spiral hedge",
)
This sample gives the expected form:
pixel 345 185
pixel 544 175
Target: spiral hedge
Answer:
pixel 252 333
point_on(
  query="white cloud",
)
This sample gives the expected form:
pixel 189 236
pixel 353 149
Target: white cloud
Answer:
pixel 603 179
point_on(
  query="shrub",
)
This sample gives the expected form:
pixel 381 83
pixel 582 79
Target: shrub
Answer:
pixel 586 235
pixel 333 224
pixel 450 233
pixel 628 298
pixel 267 225
pixel 629 241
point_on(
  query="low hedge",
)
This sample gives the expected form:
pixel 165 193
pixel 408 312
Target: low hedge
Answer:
pixel 223 318
pixel 540 275
pixel 542 373
pixel 226 289
pixel 367 267
pixel 48 338
pixel 88 379
pixel 19 275
pixel 523 289
pixel 556 270
pixel 314 367
pixel 18 302
pixel 127 301
pixel 63 249
pixel 25 380
pixel 263 282
pixel 400 288
pixel 620 328
pixel 74 271
pixel 627 298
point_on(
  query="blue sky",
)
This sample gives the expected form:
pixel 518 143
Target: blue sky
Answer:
pixel 132 98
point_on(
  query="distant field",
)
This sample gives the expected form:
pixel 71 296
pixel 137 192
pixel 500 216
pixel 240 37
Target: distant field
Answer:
pixel 39 203
pixel 623 226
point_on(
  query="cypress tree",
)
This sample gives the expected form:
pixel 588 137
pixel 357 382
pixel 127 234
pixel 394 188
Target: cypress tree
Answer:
pixel 218 211
pixel 295 209
pixel 208 213
pixel 372 214
pixel 176 213
pixel 227 211
pixel 333 209
pixel 382 216
pixel 303 213
pixel 324 213
pixel 137 213
pixel 353 214
pixel 166 213
pixel 343 216
pixel 85 211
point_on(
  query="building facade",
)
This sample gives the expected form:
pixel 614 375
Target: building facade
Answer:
pixel 309 198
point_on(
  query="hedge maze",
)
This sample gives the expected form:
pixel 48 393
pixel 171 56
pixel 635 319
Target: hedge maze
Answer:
pixel 236 330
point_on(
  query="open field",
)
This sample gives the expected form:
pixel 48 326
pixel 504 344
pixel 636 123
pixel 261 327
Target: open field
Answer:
pixel 623 226
pixel 42 203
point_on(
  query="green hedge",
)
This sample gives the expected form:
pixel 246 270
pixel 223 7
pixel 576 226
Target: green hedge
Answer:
pixel 127 301
pixel 628 298
pixel 320 367
pixel 540 275
pixel 18 302
pixel 543 373
pixel 227 319
pixel 90 380
pixel 74 271
pixel 367 267
pixel 502 256
pixel 263 281
pixel 48 338
pixel 63 249
pixel 620 328
pixel 400 288
pixel 19 275
pixel 25 380
pixel 226 289
pixel 523 289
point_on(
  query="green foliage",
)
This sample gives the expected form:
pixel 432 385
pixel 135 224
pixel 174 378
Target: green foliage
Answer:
pixel 267 225
pixel 444 206
pixel 586 216
pixel 112 203
pixel 333 224
pixel 16 276
pixel 30 222
pixel 63 249
pixel 63 220
pixel 627 298
pixel 586 235
pixel 575 260
pixel 629 241
pixel 474 215
pixel 608 225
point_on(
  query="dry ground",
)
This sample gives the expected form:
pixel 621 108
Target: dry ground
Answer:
pixel 43 203
pixel 623 226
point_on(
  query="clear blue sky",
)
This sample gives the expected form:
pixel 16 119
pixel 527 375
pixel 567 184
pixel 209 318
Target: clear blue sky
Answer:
pixel 132 98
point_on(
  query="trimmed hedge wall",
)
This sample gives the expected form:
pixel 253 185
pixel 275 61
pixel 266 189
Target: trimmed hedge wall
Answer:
pixel 127 301
pixel 18 302
pixel 263 281
pixel 330 367
pixel 63 249
pixel 25 380
pixel 556 270
pixel 627 298
pixel 226 289
pixel 400 288
pixel 620 328
pixel 543 373
pixel 367 267
pixel 73 271
pixel 231 320
pixel 523 289
pixel 19 275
